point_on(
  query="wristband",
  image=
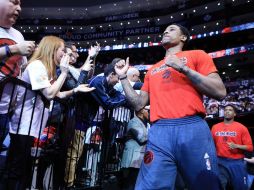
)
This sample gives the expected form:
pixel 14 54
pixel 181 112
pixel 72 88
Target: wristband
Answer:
pixel 124 77
pixel 8 51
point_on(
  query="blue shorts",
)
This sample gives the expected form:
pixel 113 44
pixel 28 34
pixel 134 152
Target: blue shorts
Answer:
pixel 234 172
pixel 179 145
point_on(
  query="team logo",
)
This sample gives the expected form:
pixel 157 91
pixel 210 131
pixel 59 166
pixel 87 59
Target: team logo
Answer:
pixel 166 74
pixel 148 158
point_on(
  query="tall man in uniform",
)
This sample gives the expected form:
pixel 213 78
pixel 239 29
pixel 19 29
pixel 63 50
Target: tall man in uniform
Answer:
pixel 179 139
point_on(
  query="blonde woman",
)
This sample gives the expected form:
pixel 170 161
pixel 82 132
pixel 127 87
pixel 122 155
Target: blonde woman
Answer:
pixel 30 115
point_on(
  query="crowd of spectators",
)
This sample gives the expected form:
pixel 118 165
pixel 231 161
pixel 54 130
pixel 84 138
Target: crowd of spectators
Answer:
pixel 239 93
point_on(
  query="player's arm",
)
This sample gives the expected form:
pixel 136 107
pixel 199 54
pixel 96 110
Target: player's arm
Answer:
pixel 138 101
pixel 210 85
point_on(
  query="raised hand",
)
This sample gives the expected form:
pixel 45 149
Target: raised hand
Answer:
pixel 122 66
pixel 84 88
pixel 25 48
pixel 94 50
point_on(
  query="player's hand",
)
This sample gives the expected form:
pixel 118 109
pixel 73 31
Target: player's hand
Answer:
pixel 232 145
pixel 174 62
pixel 122 66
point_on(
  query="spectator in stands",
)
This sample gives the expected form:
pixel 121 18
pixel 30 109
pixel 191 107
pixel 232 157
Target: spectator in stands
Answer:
pixel 249 158
pixel 105 95
pixel 134 149
pixel 13 49
pixel 231 140
pixel 74 78
pixel 30 117
pixel 174 87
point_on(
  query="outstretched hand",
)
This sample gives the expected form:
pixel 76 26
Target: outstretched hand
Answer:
pixel 84 88
pixel 122 66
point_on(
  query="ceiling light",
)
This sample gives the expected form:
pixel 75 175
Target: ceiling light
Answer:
pixel 206 7
pixel 128 22
pixel 237 71
pixel 121 23
pixel 158 19
pixel 194 10
pixel 100 7
pixel 182 14
pixel 171 17
pixel 114 4
pixel 217 23
pixel 218 4
pixel 148 20
pixel 230 64
pixel 130 2
pixel 224 73
pixel 204 26
pixel 138 21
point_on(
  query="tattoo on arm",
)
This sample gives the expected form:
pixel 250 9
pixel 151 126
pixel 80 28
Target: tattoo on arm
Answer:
pixel 194 77
pixel 132 96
